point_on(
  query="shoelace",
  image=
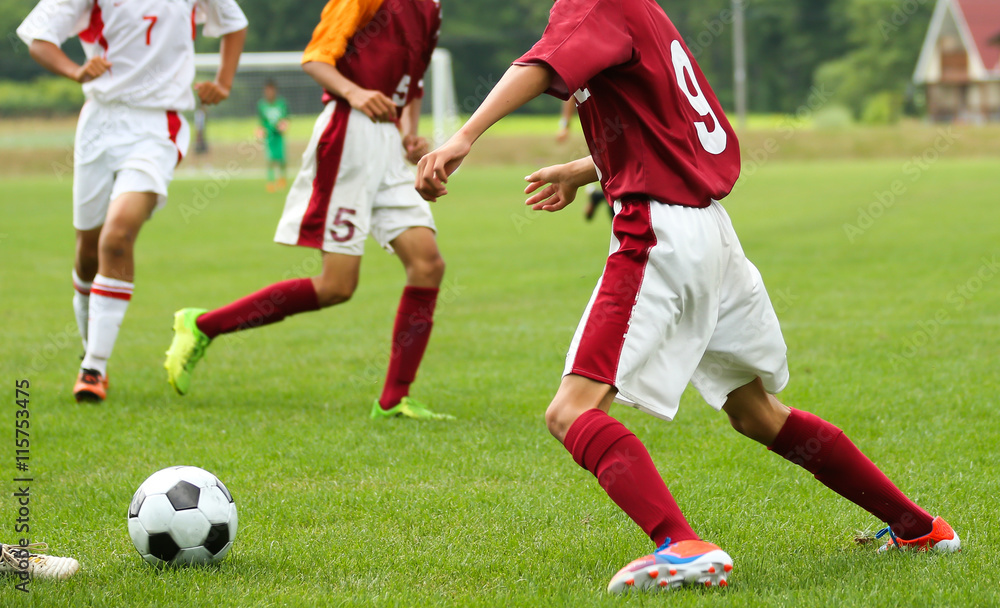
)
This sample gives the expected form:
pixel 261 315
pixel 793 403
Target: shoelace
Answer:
pixel 892 535
pixel 7 552
pixel 664 546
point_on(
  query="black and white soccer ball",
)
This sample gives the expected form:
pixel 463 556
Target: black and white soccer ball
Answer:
pixel 182 516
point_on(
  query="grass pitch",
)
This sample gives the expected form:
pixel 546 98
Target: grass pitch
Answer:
pixel 893 335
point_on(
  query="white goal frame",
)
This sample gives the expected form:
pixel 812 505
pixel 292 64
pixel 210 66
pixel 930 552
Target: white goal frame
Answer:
pixel 444 107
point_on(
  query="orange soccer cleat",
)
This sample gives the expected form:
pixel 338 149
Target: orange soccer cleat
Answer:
pixel 941 538
pixel 90 386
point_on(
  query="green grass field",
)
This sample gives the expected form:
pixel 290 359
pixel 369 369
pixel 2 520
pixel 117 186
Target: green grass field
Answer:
pixel 893 335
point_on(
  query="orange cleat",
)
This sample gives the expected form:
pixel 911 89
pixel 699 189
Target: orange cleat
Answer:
pixel 941 538
pixel 90 386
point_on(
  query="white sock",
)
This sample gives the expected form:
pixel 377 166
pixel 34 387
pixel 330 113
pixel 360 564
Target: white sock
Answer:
pixel 81 305
pixel 109 300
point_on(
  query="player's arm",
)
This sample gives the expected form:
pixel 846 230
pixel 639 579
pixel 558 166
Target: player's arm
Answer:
pixel 409 126
pixel 53 59
pixel 230 50
pixel 374 104
pixel 519 85
pixel 555 187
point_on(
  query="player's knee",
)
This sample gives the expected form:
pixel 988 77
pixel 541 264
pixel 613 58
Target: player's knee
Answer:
pixel 331 294
pixel 115 242
pixel 559 416
pixel 427 270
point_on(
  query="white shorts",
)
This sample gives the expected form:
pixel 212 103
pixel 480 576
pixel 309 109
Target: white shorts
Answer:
pixel 354 182
pixel 678 302
pixel 121 149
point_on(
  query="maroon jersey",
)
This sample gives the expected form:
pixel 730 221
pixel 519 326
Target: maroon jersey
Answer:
pixel 652 122
pixel 383 45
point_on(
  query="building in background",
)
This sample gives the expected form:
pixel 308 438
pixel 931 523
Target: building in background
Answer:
pixel 959 65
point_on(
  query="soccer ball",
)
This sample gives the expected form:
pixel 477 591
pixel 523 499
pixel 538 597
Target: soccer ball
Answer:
pixel 182 516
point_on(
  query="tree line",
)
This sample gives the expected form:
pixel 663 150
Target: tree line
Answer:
pixel 859 52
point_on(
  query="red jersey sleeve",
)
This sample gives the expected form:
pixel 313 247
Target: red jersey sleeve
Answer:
pixel 583 38
pixel 428 53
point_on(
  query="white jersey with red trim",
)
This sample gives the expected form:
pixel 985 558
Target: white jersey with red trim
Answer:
pixel 149 43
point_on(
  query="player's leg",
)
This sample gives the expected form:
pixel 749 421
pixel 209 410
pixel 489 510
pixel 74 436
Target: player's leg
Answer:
pixel 195 328
pixel 825 451
pixel 578 418
pixel 112 288
pixel 643 332
pixel 418 251
pixel 84 271
pixel 745 363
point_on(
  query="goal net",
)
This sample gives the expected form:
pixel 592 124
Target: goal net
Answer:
pixel 304 96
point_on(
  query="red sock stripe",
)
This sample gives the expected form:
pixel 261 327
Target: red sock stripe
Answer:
pixel 80 289
pixel 118 293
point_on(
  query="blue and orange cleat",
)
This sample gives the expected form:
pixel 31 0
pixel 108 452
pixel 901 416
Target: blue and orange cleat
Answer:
pixel 941 538
pixel 673 565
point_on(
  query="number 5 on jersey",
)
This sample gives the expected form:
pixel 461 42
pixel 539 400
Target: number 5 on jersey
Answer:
pixel 344 223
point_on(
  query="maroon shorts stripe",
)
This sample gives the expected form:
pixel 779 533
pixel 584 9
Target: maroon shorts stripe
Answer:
pixel 174 128
pixel 328 156
pixel 118 295
pixel 607 323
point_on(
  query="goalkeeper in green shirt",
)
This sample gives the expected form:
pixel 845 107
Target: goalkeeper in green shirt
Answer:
pixel 273 113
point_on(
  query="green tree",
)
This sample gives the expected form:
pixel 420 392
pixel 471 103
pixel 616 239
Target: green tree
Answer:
pixel 874 75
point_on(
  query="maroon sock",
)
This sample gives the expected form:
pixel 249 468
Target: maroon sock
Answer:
pixel 269 305
pixel 825 451
pixel 410 333
pixel 603 446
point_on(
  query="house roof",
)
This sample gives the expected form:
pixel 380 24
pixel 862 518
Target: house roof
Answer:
pixel 978 24
pixel 983 20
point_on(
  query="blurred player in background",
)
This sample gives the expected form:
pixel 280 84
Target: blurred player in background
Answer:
pixel 678 301
pixel 137 80
pixel 272 111
pixel 595 195
pixel 370 57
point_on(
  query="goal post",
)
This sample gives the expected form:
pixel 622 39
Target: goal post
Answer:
pixel 304 96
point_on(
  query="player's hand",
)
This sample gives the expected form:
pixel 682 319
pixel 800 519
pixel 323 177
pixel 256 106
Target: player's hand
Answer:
pixel 282 126
pixel 554 188
pixel 562 135
pixel 434 169
pixel 211 93
pixel 92 69
pixel 373 104
pixel 416 148
pixel 260 133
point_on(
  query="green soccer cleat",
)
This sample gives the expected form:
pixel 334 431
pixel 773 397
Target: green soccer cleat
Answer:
pixel 407 408
pixel 186 350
